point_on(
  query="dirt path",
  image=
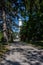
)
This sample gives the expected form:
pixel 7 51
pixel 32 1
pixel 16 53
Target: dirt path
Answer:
pixel 20 54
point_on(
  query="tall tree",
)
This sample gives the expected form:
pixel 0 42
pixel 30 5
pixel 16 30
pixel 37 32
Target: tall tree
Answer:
pixel 34 25
pixel 9 10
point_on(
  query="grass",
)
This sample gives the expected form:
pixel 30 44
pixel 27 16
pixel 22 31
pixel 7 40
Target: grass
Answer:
pixel 1 35
pixel 3 50
pixel 38 44
pixel 3 45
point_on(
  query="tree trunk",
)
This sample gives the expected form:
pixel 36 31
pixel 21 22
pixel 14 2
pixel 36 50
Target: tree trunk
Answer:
pixel 4 26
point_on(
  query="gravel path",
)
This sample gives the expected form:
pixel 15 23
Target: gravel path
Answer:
pixel 20 54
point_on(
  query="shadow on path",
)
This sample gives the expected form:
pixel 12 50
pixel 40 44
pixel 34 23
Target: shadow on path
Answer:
pixel 10 63
pixel 23 55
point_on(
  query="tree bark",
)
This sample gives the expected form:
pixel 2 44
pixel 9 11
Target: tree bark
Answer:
pixel 4 26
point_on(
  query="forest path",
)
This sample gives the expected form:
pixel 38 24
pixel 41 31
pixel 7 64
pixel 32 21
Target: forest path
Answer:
pixel 22 54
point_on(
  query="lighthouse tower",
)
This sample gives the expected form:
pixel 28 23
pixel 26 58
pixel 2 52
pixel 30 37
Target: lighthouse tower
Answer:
pixel 20 24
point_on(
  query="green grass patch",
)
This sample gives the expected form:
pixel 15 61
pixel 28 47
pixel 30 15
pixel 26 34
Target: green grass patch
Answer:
pixel 1 35
pixel 38 44
pixel 35 43
pixel 3 50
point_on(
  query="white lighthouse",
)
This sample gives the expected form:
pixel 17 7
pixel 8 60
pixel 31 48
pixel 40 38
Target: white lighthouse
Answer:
pixel 20 24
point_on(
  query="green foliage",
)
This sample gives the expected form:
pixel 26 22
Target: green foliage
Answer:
pixel 32 30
